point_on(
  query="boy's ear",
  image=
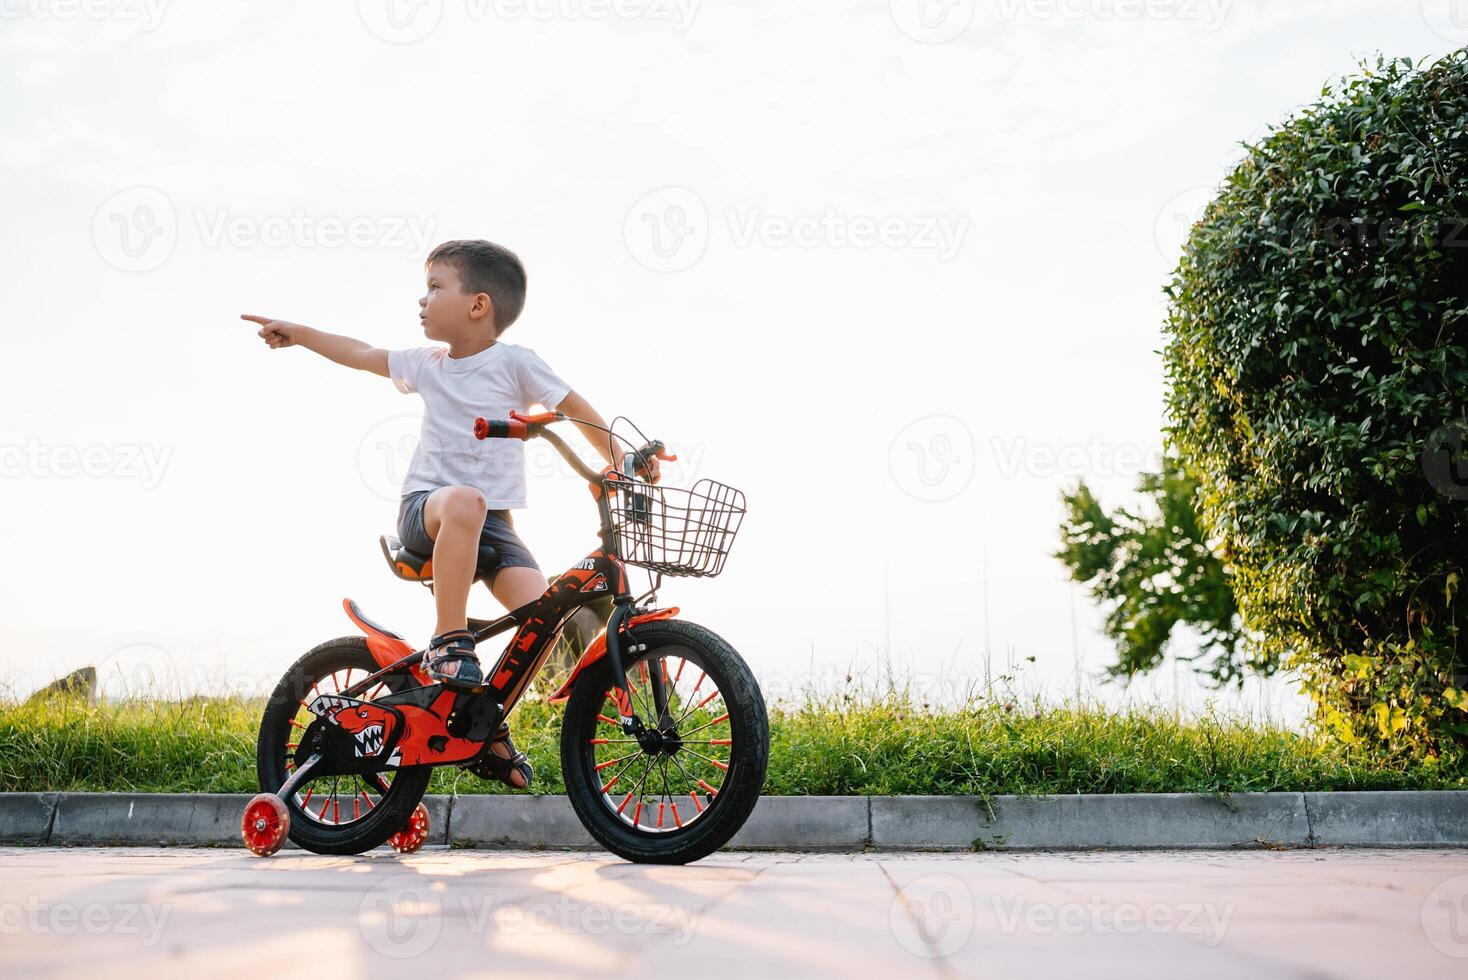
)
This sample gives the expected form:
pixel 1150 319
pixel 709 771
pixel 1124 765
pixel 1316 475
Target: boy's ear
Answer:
pixel 481 307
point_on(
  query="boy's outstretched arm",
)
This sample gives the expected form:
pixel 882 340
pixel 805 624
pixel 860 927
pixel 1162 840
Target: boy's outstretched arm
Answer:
pixel 576 407
pixel 343 350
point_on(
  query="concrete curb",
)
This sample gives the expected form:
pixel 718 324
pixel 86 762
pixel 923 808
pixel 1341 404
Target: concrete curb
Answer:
pixel 841 823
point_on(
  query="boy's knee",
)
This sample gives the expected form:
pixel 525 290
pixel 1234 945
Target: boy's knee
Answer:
pixel 463 504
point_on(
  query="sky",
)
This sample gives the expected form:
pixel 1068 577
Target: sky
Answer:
pixel 893 269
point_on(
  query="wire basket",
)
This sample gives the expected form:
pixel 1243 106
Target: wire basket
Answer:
pixel 671 530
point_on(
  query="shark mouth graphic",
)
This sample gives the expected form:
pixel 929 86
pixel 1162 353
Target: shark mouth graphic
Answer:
pixel 369 741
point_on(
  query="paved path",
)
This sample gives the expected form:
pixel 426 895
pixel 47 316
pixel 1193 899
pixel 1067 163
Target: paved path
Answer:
pixel 442 914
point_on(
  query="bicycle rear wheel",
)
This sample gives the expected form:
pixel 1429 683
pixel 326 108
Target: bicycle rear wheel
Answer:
pixel 685 788
pixel 333 814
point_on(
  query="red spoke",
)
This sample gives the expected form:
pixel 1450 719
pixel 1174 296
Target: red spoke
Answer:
pixel 307 798
pixel 637 812
pixel 660 814
pixel 605 719
pixel 298 724
pixel 697 805
pixel 710 789
pixel 324 807
pixel 612 783
pixel 721 741
pixel 681 665
pixel 694 707
pixel 721 765
pixel 600 741
pixel 625 800
pixel 364 796
pixel 605 765
pixel 676 821
pixel 707 724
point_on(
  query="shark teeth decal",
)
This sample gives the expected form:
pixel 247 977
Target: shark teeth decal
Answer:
pixel 369 741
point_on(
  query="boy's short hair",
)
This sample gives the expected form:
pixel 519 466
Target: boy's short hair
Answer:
pixel 485 267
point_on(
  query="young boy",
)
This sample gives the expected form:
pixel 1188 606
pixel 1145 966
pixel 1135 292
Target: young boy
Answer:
pixel 459 491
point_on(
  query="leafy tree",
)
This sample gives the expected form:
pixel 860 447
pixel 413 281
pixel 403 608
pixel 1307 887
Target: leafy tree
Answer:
pixel 1316 382
pixel 1152 571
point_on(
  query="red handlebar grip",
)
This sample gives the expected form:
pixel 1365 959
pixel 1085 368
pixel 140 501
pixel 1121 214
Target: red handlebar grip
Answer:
pixel 500 429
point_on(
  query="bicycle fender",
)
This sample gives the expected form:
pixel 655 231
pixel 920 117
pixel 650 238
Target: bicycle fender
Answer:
pixel 598 649
pixel 387 647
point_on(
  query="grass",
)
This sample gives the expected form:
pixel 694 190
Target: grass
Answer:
pixel 836 744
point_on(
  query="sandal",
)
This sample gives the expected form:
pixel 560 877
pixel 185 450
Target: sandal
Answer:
pixel 492 765
pixel 450 660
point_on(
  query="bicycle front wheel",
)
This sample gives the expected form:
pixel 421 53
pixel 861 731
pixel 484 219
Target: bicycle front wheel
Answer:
pixel 684 788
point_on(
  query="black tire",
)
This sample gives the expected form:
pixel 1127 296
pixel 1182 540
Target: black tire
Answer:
pixel 709 827
pixel 392 810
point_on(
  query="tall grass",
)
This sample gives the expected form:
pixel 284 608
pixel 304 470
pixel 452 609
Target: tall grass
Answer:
pixel 848 742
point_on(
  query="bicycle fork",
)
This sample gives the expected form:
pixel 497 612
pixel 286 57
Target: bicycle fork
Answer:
pixel 622 689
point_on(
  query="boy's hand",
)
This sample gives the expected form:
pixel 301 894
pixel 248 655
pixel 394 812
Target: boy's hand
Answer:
pixel 342 350
pixel 276 333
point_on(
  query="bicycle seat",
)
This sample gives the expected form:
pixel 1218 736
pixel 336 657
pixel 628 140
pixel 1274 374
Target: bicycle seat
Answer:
pixel 410 566
pixel 407 565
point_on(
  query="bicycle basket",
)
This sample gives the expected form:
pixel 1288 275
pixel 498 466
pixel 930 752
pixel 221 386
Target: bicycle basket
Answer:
pixel 671 530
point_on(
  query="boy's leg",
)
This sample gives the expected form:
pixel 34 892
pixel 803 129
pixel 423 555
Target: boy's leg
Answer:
pixel 453 518
pixel 517 585
pixel 513 587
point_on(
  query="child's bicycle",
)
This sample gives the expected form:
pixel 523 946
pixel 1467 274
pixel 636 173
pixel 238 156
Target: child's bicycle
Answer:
pixel 665 739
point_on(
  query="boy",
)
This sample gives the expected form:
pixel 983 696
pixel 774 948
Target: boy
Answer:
pixel 459 491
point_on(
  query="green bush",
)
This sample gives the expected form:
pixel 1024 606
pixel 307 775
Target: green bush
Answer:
pixel 1317 375
pixel 1153 570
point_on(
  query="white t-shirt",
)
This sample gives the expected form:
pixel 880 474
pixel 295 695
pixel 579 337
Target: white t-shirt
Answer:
pixel 456 391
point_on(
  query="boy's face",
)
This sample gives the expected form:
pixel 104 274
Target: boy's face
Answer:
pixel 447 312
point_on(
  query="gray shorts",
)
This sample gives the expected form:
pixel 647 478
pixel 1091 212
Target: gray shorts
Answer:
pixel 499 545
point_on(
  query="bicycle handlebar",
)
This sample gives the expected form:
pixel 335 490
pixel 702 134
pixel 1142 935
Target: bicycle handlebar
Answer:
pixel 525 427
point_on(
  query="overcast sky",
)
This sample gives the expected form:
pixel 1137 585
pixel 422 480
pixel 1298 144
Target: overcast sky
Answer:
pixel 894 269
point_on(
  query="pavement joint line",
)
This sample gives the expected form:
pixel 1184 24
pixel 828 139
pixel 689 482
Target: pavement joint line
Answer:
pixel 55 801
pixel 937 959
pixel 741 885
pixel 1310 837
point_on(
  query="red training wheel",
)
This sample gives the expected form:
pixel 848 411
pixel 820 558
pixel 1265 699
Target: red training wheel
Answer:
pixel 410 839
pixel 266 824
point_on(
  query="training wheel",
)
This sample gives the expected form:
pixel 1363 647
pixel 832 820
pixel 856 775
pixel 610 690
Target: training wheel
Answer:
pixel 266 824
pixel 414 833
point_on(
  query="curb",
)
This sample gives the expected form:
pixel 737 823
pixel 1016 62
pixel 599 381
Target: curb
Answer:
pixel 1138 821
